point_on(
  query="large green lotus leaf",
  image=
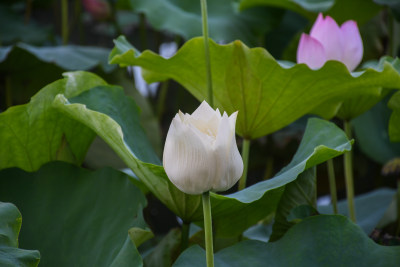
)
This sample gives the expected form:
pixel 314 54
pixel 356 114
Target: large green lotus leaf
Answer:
pixel 370 208
pixel 340 10
pixel 324 240
pixel 76 217
pixel 394 122
pixel 112 101
pixel 374 141
pixel 148 117
pixel 354 107
pixel 117 124
pixel 10 225
pixel 234 213
pixel 268 95
pixel 148 120
pixel 100 153
pixel 68 57
pixel 302 191
pixel 226 23
pixel 245 207
pixel 36 133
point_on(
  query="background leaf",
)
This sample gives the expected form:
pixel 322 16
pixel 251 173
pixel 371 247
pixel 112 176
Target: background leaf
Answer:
pixel 73 216
pixel 394 122
pixel 394 5
pixel 166 251
pixel 127 256
pixel 344 10
pixel 371 131
pixel 267 94
pixel 302 191
pixel 340 10
pixel 26 68
pixel 10 225
pixel 324 240
pixel 261 232
pixel 15 29
pixel 226 23
pixel 370 208
pixel 67 57
pixel 306 8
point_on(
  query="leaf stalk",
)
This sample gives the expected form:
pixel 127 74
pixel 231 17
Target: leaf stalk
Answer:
pixel 332 185
pixel 245 157
pixel 348 171
pixel 207 52
pixel 185 236
pixel 64 21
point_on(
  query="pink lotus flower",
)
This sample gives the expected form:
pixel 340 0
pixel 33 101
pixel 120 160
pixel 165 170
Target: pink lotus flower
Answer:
pixel 328 41
pixel 99 9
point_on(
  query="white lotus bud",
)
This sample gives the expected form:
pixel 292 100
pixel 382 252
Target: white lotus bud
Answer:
pixel 200 152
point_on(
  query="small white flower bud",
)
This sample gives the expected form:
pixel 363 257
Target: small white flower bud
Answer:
pixel 200 152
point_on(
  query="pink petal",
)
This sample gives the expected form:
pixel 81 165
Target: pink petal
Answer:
pixel 328 33
pixel 352 45
pixel 310 52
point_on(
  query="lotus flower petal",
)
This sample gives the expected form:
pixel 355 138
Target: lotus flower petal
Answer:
pixel 310 52
pixel 186 158
pixel 206 119
pixel 226 149
pixel 200 152
pixel 351 44
pixel 327 32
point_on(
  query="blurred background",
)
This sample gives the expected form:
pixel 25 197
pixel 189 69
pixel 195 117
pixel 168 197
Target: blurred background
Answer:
pixel 41 39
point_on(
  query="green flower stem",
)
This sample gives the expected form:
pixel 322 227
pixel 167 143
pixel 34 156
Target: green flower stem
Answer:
pixel 185 236
pixel 64 21
pixel 207 52
pixel 208 229
pixel 161 99
pixel 28 11
pixel 114 15
pixel 348 173
pixel 332 185
pixel 143 32
pixel 245 157
pixel 9 98
pixel 394 39
pixel 398 207
pixel 78 19
pixel 269 168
